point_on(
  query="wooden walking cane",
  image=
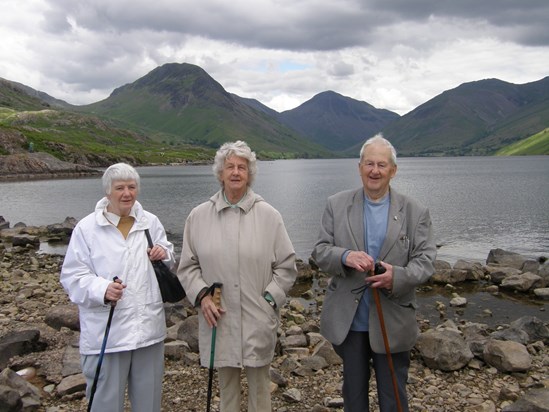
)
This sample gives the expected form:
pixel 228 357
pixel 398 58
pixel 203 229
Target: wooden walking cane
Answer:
pixel 378 270
pixel 215 291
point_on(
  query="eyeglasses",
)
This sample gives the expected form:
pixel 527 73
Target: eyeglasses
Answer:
pixel 372 165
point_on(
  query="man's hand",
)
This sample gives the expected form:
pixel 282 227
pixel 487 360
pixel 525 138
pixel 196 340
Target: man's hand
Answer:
pixel 384 280
pixel 360 261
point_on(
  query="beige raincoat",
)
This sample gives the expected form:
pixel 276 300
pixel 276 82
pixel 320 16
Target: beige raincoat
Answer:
pixel 248 250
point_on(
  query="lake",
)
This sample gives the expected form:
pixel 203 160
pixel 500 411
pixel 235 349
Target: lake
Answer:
pixel 476 204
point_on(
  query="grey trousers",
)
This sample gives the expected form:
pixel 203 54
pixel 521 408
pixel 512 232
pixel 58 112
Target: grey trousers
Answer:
pixel 356 354
pixel 141 370
pixel 259 394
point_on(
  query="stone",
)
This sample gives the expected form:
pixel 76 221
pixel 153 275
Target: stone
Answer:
pixel 474 270
pixel 63 316
pixel 18 343
pixel 521 282
pixel 176 349
pixel 504 258
pixel 326 350
pixel 444 349
pixel 534 400
pixel 24 240
pixel 71 361
pixel 542 293
pixel 28 393
pixel 188 332
pixel 507 356
pixel 534 328
pixel 71 384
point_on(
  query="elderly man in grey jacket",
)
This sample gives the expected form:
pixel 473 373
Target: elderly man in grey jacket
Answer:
pixel 358 228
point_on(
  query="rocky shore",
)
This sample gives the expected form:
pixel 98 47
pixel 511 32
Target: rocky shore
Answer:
pixel 457 364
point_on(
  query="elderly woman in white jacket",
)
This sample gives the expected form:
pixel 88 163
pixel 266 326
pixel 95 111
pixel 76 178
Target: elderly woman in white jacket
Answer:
pixel 239 240
pixel 108 243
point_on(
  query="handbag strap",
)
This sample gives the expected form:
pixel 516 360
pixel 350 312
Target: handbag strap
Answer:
pixel 149 238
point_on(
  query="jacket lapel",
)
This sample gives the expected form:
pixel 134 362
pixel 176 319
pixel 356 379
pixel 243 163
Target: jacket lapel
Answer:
pixel 394 223
pixel 355 214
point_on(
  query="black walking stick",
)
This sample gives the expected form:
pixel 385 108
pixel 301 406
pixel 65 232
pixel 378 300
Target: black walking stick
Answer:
pixel 102 353
pixel 215 291
pixel 378 270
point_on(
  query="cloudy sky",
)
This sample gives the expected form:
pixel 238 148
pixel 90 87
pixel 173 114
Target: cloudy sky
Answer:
pixel 393 54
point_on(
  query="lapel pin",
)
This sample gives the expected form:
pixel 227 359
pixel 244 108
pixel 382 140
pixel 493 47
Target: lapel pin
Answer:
pixel 394 217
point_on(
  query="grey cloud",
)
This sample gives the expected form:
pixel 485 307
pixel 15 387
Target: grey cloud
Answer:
pixel 318 25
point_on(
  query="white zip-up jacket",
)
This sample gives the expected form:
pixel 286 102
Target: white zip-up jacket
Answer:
pixel 98 252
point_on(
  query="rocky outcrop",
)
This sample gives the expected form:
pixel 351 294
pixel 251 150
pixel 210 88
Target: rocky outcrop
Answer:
pixel 506 270
pixel 27 166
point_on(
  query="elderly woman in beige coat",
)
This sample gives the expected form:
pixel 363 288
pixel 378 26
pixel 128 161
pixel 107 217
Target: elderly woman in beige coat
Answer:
pixel 238 239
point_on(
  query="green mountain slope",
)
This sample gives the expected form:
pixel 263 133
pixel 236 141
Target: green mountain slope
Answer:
pixel 183 104
pixel 13 97
pixel 474 118
pixel 533 145
pixel 84 139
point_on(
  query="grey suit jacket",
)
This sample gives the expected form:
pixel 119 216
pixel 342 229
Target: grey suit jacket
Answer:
pixel 409 246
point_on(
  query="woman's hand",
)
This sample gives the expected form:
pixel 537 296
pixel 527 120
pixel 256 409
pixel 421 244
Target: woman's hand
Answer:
pixel 114 291
pixel 210 311
pixel 156 253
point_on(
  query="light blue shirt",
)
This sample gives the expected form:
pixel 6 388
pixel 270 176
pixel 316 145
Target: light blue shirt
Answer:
pixel 375 228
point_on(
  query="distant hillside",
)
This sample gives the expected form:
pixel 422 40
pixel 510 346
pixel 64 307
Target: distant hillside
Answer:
pixel 14 97
pixel 183 104
pixel 474 118
pixel 178 113
pixel 85 140
pixel 337 122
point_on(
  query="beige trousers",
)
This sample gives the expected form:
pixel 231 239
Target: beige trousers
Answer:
pixel 259 394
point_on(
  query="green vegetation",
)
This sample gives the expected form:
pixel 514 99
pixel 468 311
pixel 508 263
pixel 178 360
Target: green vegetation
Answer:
pixel 533 145
pixel 72 137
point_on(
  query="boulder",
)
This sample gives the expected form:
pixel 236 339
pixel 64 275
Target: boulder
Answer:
pixel 449 276
pixel 507 356
pixel 63 316
pixel 522 282
pixel 28 394
pixel 534 400
pixel 474 270
pixel 19 343
pixel 188 332
pixel 444 349
pixel 533 327
pixel 498 273
pixel 3 223
pixel 24 240
pixel 504 258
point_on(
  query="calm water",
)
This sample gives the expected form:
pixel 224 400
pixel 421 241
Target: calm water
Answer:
pixel 476 203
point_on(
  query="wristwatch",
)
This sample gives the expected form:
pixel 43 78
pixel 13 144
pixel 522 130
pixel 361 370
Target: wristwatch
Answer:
pixel 270 300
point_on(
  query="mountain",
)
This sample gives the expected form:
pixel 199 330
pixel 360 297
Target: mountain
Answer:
pixel 335 121
pixel 181 103
pixel 15 96
pixel 474 118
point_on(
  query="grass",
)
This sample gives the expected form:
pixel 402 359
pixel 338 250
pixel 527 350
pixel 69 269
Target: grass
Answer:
pixel 533 145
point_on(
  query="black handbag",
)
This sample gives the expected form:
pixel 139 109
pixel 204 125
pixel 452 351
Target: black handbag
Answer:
pixel 170 286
